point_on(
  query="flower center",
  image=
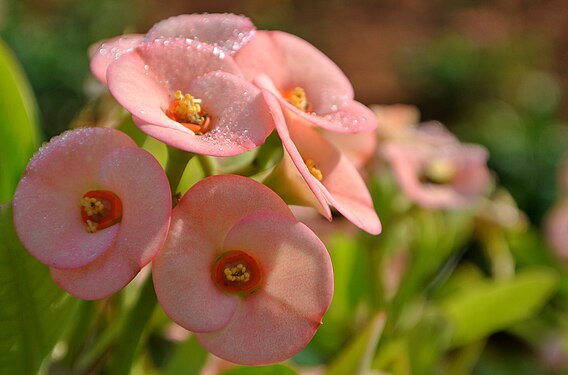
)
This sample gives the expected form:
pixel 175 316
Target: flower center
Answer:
pixel 297 97
pixel 187 110
pixel 439 172
pixel 314 170
pixel 236 272
pixel 100 209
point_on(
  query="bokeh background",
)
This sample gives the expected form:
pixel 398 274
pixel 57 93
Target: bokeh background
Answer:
pixel 494 72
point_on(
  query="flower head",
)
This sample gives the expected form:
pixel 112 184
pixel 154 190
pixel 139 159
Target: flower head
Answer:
pixel 190 96
pixel 94 208
pixel 437 171
pixel 242 273
pixel 306 81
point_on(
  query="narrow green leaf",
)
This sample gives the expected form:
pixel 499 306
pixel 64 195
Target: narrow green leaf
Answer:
pixel 34 310
pixel 356 358
pixel 19 135
pixel 489 307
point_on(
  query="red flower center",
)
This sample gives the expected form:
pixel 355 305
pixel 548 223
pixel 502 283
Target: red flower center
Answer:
pixel 236 272
pixel 188 111
pixel 100 209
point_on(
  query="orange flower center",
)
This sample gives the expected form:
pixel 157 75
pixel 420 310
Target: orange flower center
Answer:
pixel 297 97
pixel 187 110
pixel 100 209
pixel 236 272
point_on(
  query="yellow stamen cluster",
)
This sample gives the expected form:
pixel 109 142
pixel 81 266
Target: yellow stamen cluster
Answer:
pixel 297 97
pixel 314 170
pixel 92 226
pixel 92 206
pixel 188 109
pixel 237 273
pixel 440 171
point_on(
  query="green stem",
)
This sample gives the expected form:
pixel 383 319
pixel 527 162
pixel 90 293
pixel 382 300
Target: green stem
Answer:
pixel 132 330
pixel 208 165
pixel 177 161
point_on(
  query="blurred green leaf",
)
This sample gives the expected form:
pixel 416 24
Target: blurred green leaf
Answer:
pixel 35 311
pixel 19 135
pixel 188 359
pixel 489 307
pixel 356 358
pixel 261 370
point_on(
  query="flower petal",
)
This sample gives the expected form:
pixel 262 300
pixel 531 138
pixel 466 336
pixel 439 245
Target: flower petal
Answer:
pixel 109 50
pixel 279 319
pixel 137 178
pixel 240 119
pixel 200 222
pixel 226 31
pixel 46 203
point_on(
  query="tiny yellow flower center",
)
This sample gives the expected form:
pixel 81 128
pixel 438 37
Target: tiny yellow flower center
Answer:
pixel 187 110
pixel 314 170
pixel 237 273
pixel 439 171
pixel 100 209
pixel 297 97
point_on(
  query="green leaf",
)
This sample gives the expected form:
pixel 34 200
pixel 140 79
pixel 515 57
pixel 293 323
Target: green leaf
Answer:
pixel 356 358
pixel 19 135
pixel 35 311
pixel 488 307
pixel 188 359
pixel 261 370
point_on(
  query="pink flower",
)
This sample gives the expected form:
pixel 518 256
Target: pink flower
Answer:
pixel 306 81
pixel 313 172
pixel 94 208
pixel 227 32
pixel 556 228
pixel 435 170
pixel 242 273
pixel 190 96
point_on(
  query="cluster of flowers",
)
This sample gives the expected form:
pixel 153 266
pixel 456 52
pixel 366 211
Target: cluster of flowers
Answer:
pixel 230 261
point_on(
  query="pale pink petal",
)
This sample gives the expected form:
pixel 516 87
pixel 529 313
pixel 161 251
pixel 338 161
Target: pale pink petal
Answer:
pixel 137 178
pixel 357 147
pixel 105 276
pixel 342 186
pixel 47 201
pixel 109 50
pixel 200 222
pixel 556 229
pixel 228 32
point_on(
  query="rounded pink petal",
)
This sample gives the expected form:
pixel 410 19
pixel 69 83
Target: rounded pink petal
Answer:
pixel 137 178
pixel 556 229
pixel 279 319
pixel 105 276
pixel 357 147
pixel 200 222
pixel 240 119
pixel 226 31
pixel 109 50
pixel 46 203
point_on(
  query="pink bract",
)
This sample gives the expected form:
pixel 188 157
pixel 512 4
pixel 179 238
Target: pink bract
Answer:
pixel 145 82
pixel 47 213
pixel 341 186
pixel 435 170
pixel 227 32
pixel 228 213
pixel 556 227
pixel 290 62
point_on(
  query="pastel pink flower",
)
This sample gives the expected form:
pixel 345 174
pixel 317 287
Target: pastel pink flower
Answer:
pixel 93 207
pixel 435 170
pixel 556 229
pixel 190 96
pixel 241 272
pixel 306 81
pixel 315 173
pixel 226 32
